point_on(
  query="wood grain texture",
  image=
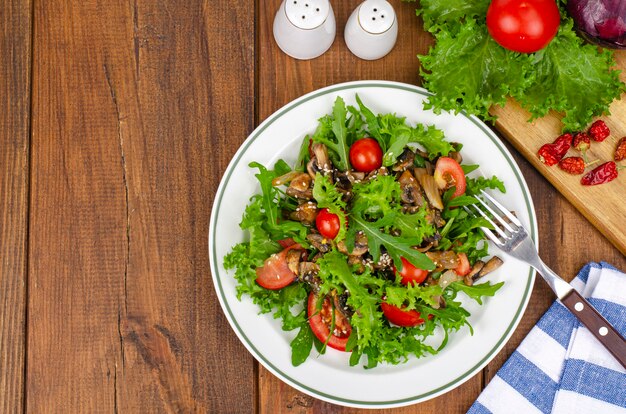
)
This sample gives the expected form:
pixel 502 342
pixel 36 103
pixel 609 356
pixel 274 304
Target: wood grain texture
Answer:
pixel 15 49
pixel 138 106
pixel 282 79
pixel 603 205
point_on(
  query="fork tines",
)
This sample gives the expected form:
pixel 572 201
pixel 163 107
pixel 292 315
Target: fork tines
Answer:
pixel 503 221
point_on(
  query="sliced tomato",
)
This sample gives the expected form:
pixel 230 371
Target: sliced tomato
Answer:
pixel 275 274
pixel 401 317
pixel 321 321
pixel 286 242
pixel 464 266
pixel 411 274
pixel 449 173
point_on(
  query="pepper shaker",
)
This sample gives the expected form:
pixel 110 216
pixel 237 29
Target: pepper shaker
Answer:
pixel 371 30
pixel 304 29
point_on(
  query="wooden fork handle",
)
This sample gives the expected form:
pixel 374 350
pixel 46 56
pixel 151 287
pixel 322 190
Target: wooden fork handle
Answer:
pixel 597 325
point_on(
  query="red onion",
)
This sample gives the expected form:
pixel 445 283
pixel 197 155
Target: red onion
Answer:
pixel 600 21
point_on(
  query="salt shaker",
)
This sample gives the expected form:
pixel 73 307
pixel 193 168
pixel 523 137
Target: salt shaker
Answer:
pixel 372 29
pixel 304 29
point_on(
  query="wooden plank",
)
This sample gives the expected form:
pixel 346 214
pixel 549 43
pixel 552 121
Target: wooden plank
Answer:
pixel 282 79
pixel 138 106
pixel 602 205
pixel 15 49
pixel 567 241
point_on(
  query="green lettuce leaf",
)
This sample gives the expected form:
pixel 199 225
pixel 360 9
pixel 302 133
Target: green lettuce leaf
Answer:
pixel 469 71
pixel 449 13
pixel 573 78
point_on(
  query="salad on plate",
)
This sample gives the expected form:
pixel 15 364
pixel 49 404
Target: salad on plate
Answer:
pixel 366 243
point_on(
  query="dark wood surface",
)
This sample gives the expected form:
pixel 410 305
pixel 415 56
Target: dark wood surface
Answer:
pixel 15 64
pixel 106 300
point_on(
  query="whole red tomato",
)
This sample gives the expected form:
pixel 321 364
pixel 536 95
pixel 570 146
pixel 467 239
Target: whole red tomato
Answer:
pixel 366 155
pixel 327 223
pixel 524 26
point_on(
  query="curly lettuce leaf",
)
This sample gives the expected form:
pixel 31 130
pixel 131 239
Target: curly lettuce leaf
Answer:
pixel 573 78
pixel 474 185
pixel 376 198
pixel 470 72
pixel 449 13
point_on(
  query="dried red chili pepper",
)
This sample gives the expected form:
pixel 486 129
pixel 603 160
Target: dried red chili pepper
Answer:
pixel 620 150
pixel 601 174
pixel 551 154
pixel 572 165
pixel 582 142
pixel 599 131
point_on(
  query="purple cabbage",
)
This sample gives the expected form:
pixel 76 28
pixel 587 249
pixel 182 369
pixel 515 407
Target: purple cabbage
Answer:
pixel 602 22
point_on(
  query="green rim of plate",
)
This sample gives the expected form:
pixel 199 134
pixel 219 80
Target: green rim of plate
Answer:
pixel 217 205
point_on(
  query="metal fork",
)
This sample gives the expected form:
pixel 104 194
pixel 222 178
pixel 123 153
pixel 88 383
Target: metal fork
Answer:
pixel 512 238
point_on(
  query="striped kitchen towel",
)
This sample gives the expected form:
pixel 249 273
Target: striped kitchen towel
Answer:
pixel 560 367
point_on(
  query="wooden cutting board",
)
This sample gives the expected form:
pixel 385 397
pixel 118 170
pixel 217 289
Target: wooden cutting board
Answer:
pixel 604 205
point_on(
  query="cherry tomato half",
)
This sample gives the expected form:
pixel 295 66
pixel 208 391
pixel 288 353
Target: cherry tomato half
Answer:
pixel 411 274
pixel 464 266
pixel 524 26
pixel 401 317
pixel 275 273
pixel 327 223
pixel 321 321
pixel 366 155
pixel 448 173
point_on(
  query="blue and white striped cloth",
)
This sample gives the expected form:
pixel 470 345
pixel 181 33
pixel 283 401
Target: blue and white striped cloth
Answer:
pixel 560 367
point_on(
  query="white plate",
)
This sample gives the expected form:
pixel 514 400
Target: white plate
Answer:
pixel 329 377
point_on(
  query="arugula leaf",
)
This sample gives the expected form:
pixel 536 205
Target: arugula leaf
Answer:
pixel 303 154
pixel 415 226
pixel 401 136
pixel 469 71
pixel 461 201
pixel 269 202
pixel 469 168
pixel 574 78
pixel 333 132
pixel 301 345
pixel 372 123
pixel 397 247
pixel 340 131
pixel 476 292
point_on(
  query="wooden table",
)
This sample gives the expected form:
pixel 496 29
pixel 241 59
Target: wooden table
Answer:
pixel 117 122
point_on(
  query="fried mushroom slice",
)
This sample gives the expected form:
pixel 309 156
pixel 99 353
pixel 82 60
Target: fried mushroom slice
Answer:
pixel 293 260
pixel 411 193
pixel 305 213
pixel 319 242
pixel 319 163
pixel 404 161
pixel 491 265
pixel 360 245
